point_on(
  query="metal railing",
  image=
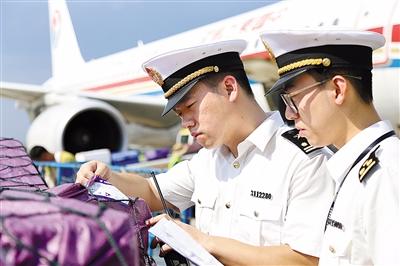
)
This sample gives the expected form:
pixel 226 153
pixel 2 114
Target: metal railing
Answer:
pixel 74 167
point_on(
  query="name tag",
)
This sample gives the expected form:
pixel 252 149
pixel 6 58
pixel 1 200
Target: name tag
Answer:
pixel 335 224
pixel 260 194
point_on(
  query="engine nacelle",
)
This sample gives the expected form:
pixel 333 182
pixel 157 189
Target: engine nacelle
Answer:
pixel 79 125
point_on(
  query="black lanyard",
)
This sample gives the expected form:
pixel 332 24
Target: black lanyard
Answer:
pixel 365 152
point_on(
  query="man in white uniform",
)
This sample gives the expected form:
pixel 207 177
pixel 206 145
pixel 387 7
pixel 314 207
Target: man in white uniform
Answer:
pixel 325 81
pixel 255 180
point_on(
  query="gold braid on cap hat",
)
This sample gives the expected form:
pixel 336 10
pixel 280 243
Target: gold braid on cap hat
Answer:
pixel 189 78
pixel 306 62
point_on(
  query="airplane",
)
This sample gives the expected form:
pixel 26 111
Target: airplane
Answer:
pixel 110 102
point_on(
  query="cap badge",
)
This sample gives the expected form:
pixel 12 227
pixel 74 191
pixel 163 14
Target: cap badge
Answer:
pixel 155 75
pixel 269 50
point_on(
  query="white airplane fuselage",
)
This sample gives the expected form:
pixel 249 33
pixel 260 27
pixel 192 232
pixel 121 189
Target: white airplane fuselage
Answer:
pixel 110 101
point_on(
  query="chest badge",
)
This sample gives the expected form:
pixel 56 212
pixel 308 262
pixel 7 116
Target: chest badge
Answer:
pixel 260 194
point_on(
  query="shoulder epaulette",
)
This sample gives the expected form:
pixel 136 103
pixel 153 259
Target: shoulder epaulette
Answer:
pixel 294 137
pixel 370 163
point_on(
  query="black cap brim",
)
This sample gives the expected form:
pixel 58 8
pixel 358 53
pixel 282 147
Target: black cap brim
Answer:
pixel 177 96
pixel 282 81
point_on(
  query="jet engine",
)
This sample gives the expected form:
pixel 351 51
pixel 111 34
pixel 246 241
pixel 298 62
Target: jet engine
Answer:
pixel 78 125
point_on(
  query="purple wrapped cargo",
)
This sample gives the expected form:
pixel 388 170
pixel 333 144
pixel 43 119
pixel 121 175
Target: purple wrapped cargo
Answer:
pixel 41 229
pixel 136 208
pixel 16 167
pixel 65 225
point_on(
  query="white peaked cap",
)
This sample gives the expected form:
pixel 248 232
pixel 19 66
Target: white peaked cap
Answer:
pixel 298 50
pixel 178 71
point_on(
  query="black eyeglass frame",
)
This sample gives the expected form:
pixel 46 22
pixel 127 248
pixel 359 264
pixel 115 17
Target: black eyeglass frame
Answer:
pixel 288 97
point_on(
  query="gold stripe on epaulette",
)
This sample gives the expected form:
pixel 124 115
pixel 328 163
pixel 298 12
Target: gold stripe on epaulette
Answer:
pixel 366 167
pixel 306 62
pixel 189 78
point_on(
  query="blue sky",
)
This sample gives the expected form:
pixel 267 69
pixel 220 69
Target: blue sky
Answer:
pixel 102 28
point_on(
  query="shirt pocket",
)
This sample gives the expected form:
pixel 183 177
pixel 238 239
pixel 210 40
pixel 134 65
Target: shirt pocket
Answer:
pixel 259 222
pixel 205 209
pixel 338 247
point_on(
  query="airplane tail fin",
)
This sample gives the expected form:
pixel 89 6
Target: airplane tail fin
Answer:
pixel 65 52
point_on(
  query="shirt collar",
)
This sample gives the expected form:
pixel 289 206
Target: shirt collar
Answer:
pixel 263 133
pixel 342 160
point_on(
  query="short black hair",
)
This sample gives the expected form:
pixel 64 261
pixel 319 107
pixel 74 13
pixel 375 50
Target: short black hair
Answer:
pixel 363 86
pixel 36 152
pixel 241 77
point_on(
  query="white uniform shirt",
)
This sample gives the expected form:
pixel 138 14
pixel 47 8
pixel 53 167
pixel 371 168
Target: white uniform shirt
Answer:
pixel 369 210
pixel 272 193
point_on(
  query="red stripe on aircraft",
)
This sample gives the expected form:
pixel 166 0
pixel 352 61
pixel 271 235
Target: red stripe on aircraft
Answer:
pixel 259 55
pixel 377 30
pixel 396 33
pixel 118 84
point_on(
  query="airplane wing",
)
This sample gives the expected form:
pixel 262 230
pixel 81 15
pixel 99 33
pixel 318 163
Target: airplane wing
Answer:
pixel 138 108
pixel 21 91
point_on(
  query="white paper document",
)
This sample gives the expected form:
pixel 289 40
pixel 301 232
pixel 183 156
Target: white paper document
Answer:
pixel 170 233
pixel 104 189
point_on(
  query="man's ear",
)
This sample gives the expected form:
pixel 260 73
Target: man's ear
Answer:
pixel 341 86
pixel 231 87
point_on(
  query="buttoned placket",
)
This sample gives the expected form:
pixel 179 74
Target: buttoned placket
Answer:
pixel 229 191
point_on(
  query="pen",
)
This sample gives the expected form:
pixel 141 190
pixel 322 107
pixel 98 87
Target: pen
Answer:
pixel 171 258
pixel 161 195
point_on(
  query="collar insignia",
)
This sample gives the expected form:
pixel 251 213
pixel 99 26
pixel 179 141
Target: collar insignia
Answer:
pixel 155 75
pixel 369 164
pixel 294 137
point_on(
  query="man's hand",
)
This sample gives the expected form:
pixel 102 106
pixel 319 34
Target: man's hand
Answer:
pixel 164 248
pixel 90 169
pixel 196 234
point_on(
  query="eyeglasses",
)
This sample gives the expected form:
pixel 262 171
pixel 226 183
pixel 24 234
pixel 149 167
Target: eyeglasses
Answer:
pixel 288 97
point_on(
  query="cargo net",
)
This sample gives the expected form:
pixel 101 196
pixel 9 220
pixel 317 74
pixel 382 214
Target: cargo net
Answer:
pixel 42 229
pixel 65 225
pixel 16 167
